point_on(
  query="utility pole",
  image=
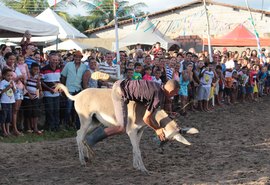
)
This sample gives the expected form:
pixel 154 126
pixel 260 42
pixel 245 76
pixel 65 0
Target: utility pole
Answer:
pixel 208 33
pixel 116 37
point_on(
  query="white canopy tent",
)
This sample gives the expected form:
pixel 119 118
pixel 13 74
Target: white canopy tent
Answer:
pixel 14 24
pixel 66 31
pixel 146 34
pixel 69 45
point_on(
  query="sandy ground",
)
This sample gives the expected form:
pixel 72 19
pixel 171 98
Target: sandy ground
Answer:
pixel 233 147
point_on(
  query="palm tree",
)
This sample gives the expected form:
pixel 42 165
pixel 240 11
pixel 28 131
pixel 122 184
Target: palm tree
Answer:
pixel 101 11
pixel 30 7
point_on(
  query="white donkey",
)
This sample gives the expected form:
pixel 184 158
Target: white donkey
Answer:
pixel 95 106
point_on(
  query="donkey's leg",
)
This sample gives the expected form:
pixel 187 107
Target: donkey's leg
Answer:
pixel 135 137
pixel 81 133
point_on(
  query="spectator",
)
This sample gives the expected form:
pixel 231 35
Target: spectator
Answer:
pixel 31 100
pixel 51 74
pixel 7 90
pixel 71 76
pixel 88 82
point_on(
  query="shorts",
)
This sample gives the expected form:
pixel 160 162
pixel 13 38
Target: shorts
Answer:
pixel 6 113
pixel 250 90
pixel 18 94
pixel 203 93
pixel 228 91
pixel 243 90
pixel 31 108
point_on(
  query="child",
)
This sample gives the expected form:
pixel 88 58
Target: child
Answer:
pixel 234 86
pixel 7 89
pixel 185 78
pixel 220 85
pixel 243 79
pixel 31 99
pixel 129 73
pixel 262 75
pixel 137 71
pixel 18 78
pixel 206 78
pixel 23 67
pixel 228 85
pixel 268 80
pixel 147 75
pixel 157 76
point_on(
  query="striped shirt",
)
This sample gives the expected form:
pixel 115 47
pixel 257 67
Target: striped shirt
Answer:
pixel 50 77
pixel 106 68
pixel 31 87
pixel 169 72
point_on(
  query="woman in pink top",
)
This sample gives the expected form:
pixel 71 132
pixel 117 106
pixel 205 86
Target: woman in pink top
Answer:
pixel 17 78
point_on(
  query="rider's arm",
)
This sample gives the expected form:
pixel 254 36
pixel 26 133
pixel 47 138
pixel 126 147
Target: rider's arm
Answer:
pixel 147 119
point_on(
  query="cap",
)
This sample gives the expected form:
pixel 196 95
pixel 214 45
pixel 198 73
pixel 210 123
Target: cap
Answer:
pixel 78 54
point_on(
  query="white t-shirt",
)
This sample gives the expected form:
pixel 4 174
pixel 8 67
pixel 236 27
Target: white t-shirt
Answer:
pixel 230 64
pixel 207 78
pixel 8 96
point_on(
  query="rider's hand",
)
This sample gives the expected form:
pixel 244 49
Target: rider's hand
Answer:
pixel 160 134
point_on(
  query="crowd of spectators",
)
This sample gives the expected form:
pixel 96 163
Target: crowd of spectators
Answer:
pixel 28 78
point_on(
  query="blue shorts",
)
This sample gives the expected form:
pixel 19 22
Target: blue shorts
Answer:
pixel 18 94
pixel 250 90
pixel 243 90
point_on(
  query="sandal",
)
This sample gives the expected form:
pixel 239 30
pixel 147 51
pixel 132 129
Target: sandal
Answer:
pixel 38 132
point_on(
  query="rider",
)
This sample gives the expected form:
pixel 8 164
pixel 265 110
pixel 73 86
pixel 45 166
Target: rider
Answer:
pixel 147 92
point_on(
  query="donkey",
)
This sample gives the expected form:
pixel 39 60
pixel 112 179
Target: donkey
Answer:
pixel 94 107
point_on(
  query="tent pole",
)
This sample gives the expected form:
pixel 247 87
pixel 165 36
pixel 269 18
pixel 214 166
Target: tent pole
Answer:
pixel 56 45
pixel 208 33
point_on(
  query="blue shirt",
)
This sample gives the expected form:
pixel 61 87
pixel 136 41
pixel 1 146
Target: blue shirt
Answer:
pixel 29 62
pixel 74 77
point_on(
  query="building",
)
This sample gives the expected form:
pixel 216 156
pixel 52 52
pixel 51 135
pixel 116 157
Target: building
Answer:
pixel 187 23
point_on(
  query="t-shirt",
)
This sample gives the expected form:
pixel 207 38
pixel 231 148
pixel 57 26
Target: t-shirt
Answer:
pixel 147 77
pixel 50 77
pixel 31 87
pixel 136 76
pixel 147 92
pixel 8 96
pixel 159 81
pixel 29 62
pixel 207 78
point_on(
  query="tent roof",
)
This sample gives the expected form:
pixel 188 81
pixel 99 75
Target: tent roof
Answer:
pixel 13 23
pixel 146 34
pixel 65 29
pixel 239 36
pixel 69 45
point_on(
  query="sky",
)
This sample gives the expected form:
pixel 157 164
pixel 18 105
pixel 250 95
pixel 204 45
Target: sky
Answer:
pixel 158 5
pixel 166 4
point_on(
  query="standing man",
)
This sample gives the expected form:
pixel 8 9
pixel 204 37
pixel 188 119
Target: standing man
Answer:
pixel 71 76
pixel 51 76
pixel 109 68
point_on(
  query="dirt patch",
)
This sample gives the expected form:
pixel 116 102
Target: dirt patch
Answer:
pixel 233 147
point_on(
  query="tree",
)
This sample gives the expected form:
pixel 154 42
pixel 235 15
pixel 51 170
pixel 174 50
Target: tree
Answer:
pixel 101 11
pixel 30 7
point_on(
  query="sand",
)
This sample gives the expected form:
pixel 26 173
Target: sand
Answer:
pixel 233 147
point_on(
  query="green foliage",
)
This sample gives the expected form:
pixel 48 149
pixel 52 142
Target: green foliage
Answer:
pixel 30 7
pixel 101 11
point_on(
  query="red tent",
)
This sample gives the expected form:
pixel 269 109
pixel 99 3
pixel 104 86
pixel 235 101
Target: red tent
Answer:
pixel 240 36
